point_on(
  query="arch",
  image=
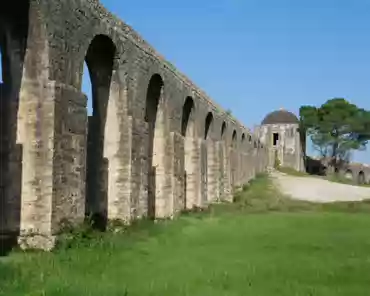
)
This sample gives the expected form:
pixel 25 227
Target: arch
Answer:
pixel 233 158
pixel 223 162
pixel 234 139
pixel 187 131
pixel 242 159
pixel 186 112
pixel 208 125
pixel 99 63
pixel 14 33
pixel 348 174
pixel 361 177
pixel 207 161
pixel 250 138
pixel 153 97
pixel 223 130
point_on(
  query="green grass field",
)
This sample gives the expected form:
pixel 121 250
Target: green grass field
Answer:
pixel 263 244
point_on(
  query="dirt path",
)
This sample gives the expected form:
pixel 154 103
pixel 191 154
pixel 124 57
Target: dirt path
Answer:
pixel 318 190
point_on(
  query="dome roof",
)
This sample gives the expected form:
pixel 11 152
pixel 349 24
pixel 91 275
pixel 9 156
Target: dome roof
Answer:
pixel 280 117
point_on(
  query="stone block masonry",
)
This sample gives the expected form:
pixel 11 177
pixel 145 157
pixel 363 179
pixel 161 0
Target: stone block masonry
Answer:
pixel 154 145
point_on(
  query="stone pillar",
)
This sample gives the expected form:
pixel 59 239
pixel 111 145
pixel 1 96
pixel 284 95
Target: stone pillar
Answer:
pixel 234 168
pixel 192 172
pixel 204 173
pixel 163 155
pixel 225 188
pixel 139 168
pixel 42 164
pixel 212 171
pixel 118 151
pixel 221 171
pixel 228 185
pixel 178 186
pixel 255 162
pixel 244 167
pixel 198 169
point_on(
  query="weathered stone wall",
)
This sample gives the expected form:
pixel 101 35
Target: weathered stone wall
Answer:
pixel 356 172
pixel 288 148
pixel 139 154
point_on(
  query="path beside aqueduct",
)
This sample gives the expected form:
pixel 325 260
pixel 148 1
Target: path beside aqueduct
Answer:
pixel 155 144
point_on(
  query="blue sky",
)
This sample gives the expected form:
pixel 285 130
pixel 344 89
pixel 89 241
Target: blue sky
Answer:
pixel 255 56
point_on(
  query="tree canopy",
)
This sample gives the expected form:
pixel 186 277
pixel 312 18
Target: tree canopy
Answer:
pixel 336 128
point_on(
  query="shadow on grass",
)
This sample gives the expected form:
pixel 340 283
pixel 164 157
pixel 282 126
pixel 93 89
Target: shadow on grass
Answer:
pixel 293 172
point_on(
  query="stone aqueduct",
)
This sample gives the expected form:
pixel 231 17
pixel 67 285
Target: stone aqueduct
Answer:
pixel 155 144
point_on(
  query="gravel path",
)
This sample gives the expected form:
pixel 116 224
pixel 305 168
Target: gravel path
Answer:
pixel 318 190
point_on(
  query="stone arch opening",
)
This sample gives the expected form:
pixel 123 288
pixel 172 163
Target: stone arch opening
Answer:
pixel 348 174
pixel 234 139
pixel 187 131
pixel 99 61
pixel 186 113
pixel 234 160
pixel 361 177
pixel 208 125
pixel 242 158
pixel 206 158
pixel 223 130
pixel 223 163
pixel 14 25
pixel 153 98
pixel 87 88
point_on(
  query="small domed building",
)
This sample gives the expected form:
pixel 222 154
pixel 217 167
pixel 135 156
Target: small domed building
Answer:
pixel 279 131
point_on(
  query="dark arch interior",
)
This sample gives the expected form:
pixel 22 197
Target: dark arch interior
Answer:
pixel 152 101
pixel 243 138
pixel 99 60
pixel 209 121
pixel 361 177
pixel 233 139
pixel 223 130
pixel 186 112
pixel 14 20
pixel 348 174
pixel 233 159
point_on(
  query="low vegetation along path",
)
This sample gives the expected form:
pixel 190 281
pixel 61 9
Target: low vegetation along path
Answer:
pixel 262 244
pixel 318 190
